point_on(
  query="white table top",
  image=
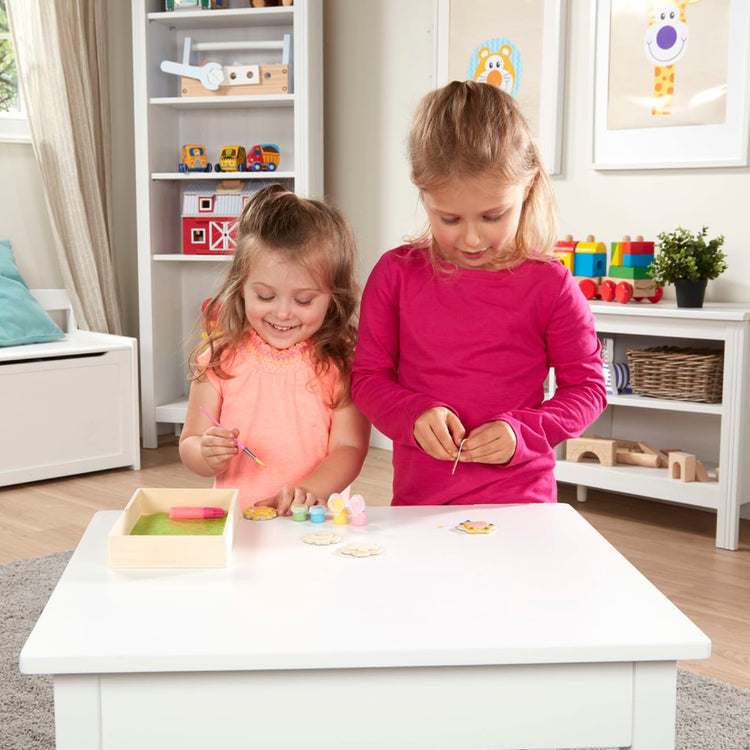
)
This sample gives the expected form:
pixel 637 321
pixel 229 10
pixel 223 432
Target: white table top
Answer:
pixel 545 587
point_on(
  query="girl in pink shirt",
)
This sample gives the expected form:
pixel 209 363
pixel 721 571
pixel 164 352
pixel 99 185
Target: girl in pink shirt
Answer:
pixel 459 329
pixel 275 367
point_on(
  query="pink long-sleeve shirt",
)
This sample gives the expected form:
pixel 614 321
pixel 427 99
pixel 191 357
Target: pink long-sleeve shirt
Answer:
pixel 481 343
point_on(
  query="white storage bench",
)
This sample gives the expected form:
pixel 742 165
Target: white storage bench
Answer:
pixel 68 406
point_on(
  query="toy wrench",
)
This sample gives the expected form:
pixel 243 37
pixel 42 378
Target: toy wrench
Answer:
pixel 211 74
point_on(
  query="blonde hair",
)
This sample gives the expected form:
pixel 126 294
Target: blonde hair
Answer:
pixel 467 130
pixel 304 232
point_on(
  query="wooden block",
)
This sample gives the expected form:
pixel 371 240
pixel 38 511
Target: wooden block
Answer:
pixel 624 272
pixel 589 263
pixel 701 475
pixel 637 458
pixel 591 246
pixel 681 466
pixel 647 448
pixel 637 260
pixel 603 449
pixel 567 259
pixel 643 287
pixel 272 79
pixel 629 444
pixel 615 256
pixel 639 247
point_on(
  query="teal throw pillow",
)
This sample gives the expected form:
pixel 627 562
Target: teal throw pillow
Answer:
pixel 22 318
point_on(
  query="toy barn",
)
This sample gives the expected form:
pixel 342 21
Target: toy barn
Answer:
pixel 209 215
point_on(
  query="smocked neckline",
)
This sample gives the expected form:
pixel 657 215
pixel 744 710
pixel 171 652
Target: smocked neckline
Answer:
pixel 268 354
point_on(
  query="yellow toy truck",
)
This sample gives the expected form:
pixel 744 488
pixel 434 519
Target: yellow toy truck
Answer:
pixel 194 159
pixel 232 159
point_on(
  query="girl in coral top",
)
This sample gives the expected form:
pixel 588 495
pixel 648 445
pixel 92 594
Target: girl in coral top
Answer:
pixel 458 329
pixel 275 368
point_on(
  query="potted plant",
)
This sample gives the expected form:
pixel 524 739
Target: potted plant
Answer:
pixel 688 261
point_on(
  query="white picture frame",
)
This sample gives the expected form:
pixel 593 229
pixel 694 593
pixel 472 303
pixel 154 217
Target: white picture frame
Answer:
pixel 690 143
pixel 544 109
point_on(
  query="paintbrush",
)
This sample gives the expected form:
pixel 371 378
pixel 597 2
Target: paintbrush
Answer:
pixel 239 444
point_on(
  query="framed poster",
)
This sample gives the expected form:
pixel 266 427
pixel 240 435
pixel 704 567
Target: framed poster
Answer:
pixel 671 83
pixel 518 45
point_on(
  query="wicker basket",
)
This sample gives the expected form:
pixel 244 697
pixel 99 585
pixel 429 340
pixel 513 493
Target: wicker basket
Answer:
pixel 673 372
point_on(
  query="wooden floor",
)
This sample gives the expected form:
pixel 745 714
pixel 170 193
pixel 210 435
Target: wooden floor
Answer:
pixel 672 546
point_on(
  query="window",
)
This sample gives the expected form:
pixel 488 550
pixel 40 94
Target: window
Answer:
pixel 205 204
pixel 13 123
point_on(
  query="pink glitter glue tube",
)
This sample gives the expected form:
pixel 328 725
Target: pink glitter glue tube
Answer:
pixel 177 512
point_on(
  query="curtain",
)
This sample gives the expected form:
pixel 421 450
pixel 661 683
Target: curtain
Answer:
pixel 61 54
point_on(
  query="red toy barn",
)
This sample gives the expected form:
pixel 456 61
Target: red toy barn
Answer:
pixel 209 215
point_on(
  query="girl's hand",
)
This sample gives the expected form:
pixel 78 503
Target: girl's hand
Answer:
pixel 288 496
pixel 218 448
pixel 438 431
pixel 490 443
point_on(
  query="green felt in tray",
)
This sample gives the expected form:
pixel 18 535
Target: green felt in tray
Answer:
pixel 159 524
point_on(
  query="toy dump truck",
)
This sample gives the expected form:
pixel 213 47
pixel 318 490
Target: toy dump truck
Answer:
pixel 263 158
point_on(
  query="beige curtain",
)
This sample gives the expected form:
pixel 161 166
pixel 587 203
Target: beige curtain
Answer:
pixel 61 54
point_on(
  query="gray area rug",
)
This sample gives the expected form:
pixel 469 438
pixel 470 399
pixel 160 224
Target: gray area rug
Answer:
pixel 711 715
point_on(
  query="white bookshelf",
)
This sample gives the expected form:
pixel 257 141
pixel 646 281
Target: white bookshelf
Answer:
pixel 716 433
pixel 172 286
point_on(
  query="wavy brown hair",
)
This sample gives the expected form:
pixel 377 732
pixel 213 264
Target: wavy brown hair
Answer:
pixel 468 129
pixel 304 232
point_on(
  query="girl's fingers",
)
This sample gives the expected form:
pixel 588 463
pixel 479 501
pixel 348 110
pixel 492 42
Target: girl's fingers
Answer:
pixel 438 432
pixel 490 443
pixel 456 431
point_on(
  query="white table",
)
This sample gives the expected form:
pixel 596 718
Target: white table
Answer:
pixel 540 635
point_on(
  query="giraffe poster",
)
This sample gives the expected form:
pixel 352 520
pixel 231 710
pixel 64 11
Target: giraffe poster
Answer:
pixel 671 83
pixel 668 63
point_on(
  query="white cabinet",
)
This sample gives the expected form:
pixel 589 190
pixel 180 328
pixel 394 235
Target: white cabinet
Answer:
pixel 173 285
pixel 715 433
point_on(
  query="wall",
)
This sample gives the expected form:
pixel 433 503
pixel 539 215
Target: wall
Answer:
pixel 612 203
pixel 378 63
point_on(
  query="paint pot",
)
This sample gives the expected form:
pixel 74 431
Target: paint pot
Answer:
pixel 317 514
pixel 299 512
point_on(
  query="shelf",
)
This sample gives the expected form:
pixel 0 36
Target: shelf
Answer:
pixel 171 286
pixel 717 434
pixel 197 176
pixel 665 404
pixel 736 311
pixel 638 480
pixel 223 102
pixel 224 19
pixel 181 258
pixel 173 412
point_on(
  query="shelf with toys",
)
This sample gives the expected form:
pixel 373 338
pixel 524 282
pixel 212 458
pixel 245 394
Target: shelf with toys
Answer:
pixel 182 258
pixel 708 429
pixel 226 100
pixel 222 18
pixel 662 404
pixel 279 175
